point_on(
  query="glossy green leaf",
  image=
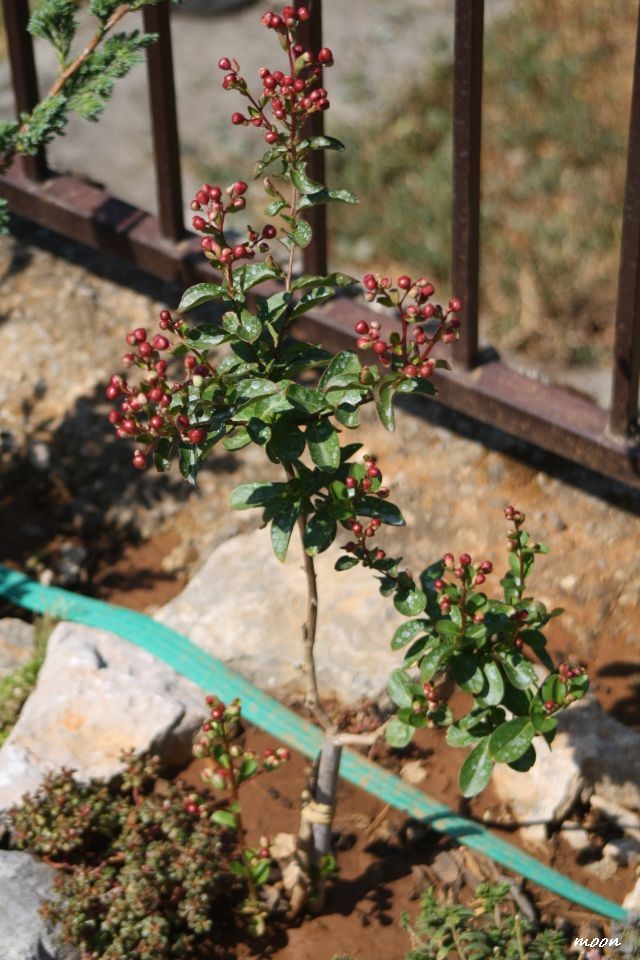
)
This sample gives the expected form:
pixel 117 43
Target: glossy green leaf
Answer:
pixel 237 440
pixel 344 363
pixel 323 143
pixel 162 453
pixel 467 673
pixel 457 737
pixel 246 277
pixel 326 196
pixel 259 432
pixel 319 534
pixel 526 761
pixel 400 688
pixel 399 734
pixel 260 872
pixel 248 768
pixel 476 770
pixel 311 299
pixel 205 337
pixel 511 739
pixel 317 280
pixel 282 527
pixel 409 602
pixel 520 672
pixel 406 632
pixel 436 658
pixel 493 687
pixel 302 181
pixel 383 394
pixel 307 399
pixel 197 295
pixel 257 494
pixel 269 157
pixel 324 445
pixel 345 563
pixel 300 235
pixel 384 510
pixel 287 441
pixel 224 818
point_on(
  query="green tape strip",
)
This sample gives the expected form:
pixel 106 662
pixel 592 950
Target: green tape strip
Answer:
pixel 265 712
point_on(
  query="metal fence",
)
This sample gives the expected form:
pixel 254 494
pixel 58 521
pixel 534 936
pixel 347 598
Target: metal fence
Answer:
pixel 483 387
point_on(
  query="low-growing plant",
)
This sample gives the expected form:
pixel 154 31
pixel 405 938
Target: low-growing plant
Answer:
pixel 489 927
pixel 150 869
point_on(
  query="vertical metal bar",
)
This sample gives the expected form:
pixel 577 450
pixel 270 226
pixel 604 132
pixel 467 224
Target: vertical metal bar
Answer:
pixel 623 420
pixel 23 74
pixel 467 123
pixel 166 144
pixel 315 255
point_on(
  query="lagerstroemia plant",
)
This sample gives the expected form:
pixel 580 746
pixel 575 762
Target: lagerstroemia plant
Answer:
pixel 295 400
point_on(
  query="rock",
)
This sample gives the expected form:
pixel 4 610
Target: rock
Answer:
pixel 576 836
pixel 413 772
pixel 24 884
pixel 96 696
pixel 632 900
pixel 623 850
pixel 246 608
pixel 591 751
pixel 17 644
pixel 71 564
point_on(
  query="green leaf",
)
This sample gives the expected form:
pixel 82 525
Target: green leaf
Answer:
pixel 324 445
pixel 237 440
pixel 259 432
pixel 189 461
pixel 300 235
pixel 247 327
pixel 273 208
pixel 526 761
pixel 162 453
pixel 269 157
pixel 344 363
pixel 476 770
pixel 383 393
pixel 399 734
pixel 400 688
pixel 302 181
pixel 384 510
pixel 282 527
pixel 205 337
pixel 310 299
pixel 326 196
pixel 435 658
pixel 319 534
pixel 260 872
pixel 511 739
pixel 287 441
pixel 406 632
pixel 323 143
pixel 199 294
pixel 457 737
pixel 256 494
pixel 519 671
pixel 493 687
pixel 225 818
pixel 246 277
pixel 317 280
pixel 446 628
pixel 248 767
pixel 307 399
pixel 345 563
pixel 409 602
pixel 467 673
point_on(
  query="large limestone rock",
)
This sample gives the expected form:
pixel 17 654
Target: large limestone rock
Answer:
pixel 96 696
pixel 246 608
pixel 591 751
pixel 24 884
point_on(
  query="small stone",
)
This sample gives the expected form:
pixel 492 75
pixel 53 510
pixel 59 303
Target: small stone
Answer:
pixel 71 564
pixel 632 900
pixel 623 850
pixel 576 836
pixel 568 583
pixel 413 772
pixel 24 884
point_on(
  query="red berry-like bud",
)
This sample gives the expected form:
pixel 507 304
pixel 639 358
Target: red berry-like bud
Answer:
pixel 356 527
pixel 112 391
pixel 139 460
pixel 479 579
pixel 361 327
pixel 374 472
pixel 380 554
pixel 363 342
pixel 145 349
pixel 165 316
pixel 366 484
pixel 455 304
pixel 198 223
pixel 196 435
pixel 350 483
pixel 140 334
pixel 240 187
pixel 478 617
pixel 439 584
pixel 549 705
pixel 404 282
pixel 237 119
pixel 224 63
pixel 303 13
pixel 448 561
pixel 370 282
pixel 426 370
pixel 486 566
pixel 160 342
pixel 465 560
pixel 156 422
pixel 114 417
pixel 410 370
pixel 217 713
pixel 509 512
pixel 383 492
pixel 325 56
pixel 380 347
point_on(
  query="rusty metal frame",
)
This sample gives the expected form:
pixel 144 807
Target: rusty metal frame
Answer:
pixel 552 418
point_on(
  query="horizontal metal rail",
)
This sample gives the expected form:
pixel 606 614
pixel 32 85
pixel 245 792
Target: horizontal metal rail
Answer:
pixel 555 419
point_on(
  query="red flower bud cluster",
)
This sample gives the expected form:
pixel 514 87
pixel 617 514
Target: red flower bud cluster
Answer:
pixel 365 482
pixel 145 407
pixel 292 96
pixel 408 350
pixel 469 575
pixel 211 210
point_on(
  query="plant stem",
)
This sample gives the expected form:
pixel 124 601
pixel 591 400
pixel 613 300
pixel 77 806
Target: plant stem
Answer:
pixel 237 812
pixel 309 627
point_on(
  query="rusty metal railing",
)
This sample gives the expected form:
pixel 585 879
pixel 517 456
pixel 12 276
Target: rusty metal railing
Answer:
pixel 483 387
